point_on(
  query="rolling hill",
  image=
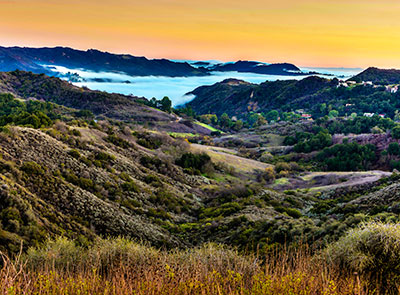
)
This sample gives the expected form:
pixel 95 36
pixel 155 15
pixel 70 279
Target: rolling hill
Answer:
pixel 237 98
pixel 378 76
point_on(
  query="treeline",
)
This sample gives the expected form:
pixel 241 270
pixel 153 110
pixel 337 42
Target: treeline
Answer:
pixel 164 104
pixel 234 123
pixel 356 124
pixel 354 99
pixel 306 142
pixel 347 157
pixel 31 113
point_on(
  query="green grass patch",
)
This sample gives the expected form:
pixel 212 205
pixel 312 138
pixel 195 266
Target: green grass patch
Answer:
pixel 208 127
pixel 177 134
pixel 281 181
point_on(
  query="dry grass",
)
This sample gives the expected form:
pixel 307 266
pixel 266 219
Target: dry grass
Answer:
pixel 122 267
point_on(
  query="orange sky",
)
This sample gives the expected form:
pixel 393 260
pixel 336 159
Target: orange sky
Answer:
pixel 350 33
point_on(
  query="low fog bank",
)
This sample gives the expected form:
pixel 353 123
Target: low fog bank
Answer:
pixel 173 87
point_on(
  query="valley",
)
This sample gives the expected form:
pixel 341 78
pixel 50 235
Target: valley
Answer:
pixel 89 166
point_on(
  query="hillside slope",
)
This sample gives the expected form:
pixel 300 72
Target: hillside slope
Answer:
pixel 27 85
pixel 101 188
pixel 236 97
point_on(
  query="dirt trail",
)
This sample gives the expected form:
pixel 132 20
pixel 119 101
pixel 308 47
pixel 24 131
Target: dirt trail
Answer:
pixel 354 178
pixel 319 181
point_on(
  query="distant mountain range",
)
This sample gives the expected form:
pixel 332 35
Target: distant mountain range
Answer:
pixel 36 60
pixel 40 60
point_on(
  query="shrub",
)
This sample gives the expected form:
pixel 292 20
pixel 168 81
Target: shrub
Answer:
pixel 74 154
pixel 268 174
pixel 32 168
pixel 282 166
pixel 114 139
pixel 102 159
pixel 150 141
pixel 393 149
pixel 289 211
pixel 396 132
pixel 373 248
pixel 76 132
pixel 130 186
pixel 150 178
pixel 125 176
pixel 194 161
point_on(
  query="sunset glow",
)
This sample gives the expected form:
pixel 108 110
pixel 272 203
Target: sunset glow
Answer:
pixel 348 33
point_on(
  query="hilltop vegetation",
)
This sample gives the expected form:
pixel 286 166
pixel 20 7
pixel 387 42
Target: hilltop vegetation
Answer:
pixel 316 96
pixel 378 76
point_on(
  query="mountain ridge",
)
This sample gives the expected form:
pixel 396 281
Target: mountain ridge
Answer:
pixel 34 59
pixel 39 59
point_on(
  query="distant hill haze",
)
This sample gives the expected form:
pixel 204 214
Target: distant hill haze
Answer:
pixel 36 60
pixel 259 68
pixel 33 59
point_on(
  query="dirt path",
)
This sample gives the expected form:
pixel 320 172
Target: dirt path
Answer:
pixel 320 181
pixel 354 178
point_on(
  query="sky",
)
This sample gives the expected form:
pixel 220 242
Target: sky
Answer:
pixel 324 33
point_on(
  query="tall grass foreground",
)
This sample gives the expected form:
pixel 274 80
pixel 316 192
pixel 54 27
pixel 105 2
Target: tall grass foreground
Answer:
pixel 119 266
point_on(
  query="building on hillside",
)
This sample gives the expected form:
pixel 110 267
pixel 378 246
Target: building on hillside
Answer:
pixel 369 115
pixel 342 84
pixel 307 117
pixel 392 89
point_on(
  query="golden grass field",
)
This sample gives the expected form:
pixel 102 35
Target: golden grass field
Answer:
pixel 123 267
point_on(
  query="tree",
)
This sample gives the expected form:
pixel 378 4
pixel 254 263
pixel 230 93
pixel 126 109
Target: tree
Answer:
pixel 272 116
pixel 153 102
pixel 209 119
pixel 166 104
pixel 396 132
pixel 224 120
pixel 397 115
pixel 256 120
pixel 322 108
pixel 333 114
pixel 238 125
pixel 394 149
